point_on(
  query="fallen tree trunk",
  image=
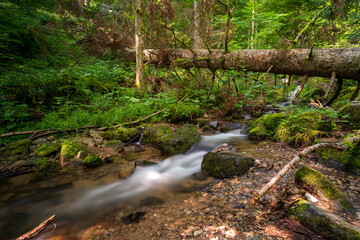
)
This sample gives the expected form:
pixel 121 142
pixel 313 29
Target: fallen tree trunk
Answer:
pixel 338 145
pixel 36 231
pixel 311 62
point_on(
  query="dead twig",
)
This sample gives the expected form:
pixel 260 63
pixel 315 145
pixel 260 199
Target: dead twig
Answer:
pixel 36 231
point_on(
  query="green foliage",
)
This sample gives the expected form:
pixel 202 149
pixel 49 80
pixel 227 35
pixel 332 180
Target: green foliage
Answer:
pixel 45 168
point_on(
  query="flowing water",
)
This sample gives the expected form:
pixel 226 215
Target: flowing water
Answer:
pixel 85 200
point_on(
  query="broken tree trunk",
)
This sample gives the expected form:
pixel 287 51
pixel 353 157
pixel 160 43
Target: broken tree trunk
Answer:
pixel 322 62
pixel 339 145
pixel 356 92
pixel 300 89
pixel 332 81
pixel 337 91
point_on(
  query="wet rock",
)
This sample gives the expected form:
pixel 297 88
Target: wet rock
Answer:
pixel 178 142
pixel 133 148
pixel 122 134
pixel 96 135
pixel 148 163
pixel 231 126
pixel 209 129
pixel 222 147
pixel 127 170
pixel 75 163
pixel 134 217
pixel 200 176
pixel 48 149
pixel 328 225
pixel 40 140
pixel 109 159
pixel 114 144
pixel 151 201
pixel 223 165
pixel 69 150
pixel 317 183
pixel 214 124
pixel 92 161
pixel 46 168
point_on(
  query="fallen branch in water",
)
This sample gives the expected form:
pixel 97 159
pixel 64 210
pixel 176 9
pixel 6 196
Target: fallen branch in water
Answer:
pixel 337 145
pixel 36 231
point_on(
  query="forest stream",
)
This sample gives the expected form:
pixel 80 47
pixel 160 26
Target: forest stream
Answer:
pixel 81 202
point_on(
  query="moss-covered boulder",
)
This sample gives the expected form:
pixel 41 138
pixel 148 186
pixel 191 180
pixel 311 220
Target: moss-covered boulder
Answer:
pixel 48 149
pixel 266 126
pixel 326 224
pixel 122 134
pixel 127 170
pixel 21 147
pixel 344 97
pixel 352 110
pixel 349 159
pixel 69 150
pixel 312 93
pixel 92 161
pixel 317 183
pixel 303 128
pixel 45 168
pixel 178 142
pixel 224 165
pixel 154 131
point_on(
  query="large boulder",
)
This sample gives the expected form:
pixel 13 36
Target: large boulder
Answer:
pixel 178 142
pixel 224 165
pixel 352 110
pixel 317 183
pixel 266 126
pixel 153 131
pixel 69 150
pixel 327 225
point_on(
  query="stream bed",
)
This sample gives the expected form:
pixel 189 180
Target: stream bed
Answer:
pixel 79 201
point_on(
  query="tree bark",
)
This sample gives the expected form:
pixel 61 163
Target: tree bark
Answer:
pixel 139 48
pixel 332 81
pixel 356 92
pixel 344 61
pixel 300 89
pixel 36 231
pixel 337 91
pixel 197 37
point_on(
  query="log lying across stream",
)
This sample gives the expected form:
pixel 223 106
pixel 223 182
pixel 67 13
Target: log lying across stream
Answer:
pixel 311 62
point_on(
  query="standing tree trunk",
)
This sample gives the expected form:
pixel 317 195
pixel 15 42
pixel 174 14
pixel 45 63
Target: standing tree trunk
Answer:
pixel 197 38
pixel 139 48
pixel 253 2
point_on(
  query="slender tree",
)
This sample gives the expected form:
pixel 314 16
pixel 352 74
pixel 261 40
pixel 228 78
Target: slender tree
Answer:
pixel 139 47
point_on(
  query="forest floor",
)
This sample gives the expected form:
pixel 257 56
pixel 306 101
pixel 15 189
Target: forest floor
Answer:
pixel 220 210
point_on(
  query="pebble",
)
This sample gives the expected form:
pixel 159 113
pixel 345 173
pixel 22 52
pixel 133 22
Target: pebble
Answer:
pixel 198 233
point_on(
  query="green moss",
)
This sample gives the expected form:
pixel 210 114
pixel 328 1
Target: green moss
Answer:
pixel 114 143
pixel 352 110
pixel 122 134
pixel 21 147
pixel 45 168
pixel 69 150
pixel 154 131
pixel 48 149
pixel 266 126
pixel 319 184
pixel 222 165
pixel 93 160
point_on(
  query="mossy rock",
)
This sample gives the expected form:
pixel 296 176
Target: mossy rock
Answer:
pixel 344 97
pixel 266 126
pixel 317 183
pixel 224 165
pixel 313 93
pixel 114 144
pixel 48 149
pixel 349 159
pixel 178 142
pixel 69 150
pixel 92 161
pixel 122 134
pixel 303 128
pixel 326 224
pixel 45 169
pixel 21 147
pixel 352 110
pixel 154 131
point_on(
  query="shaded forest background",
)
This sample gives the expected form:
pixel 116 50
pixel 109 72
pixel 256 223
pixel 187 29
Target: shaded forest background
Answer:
pixel 63 63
